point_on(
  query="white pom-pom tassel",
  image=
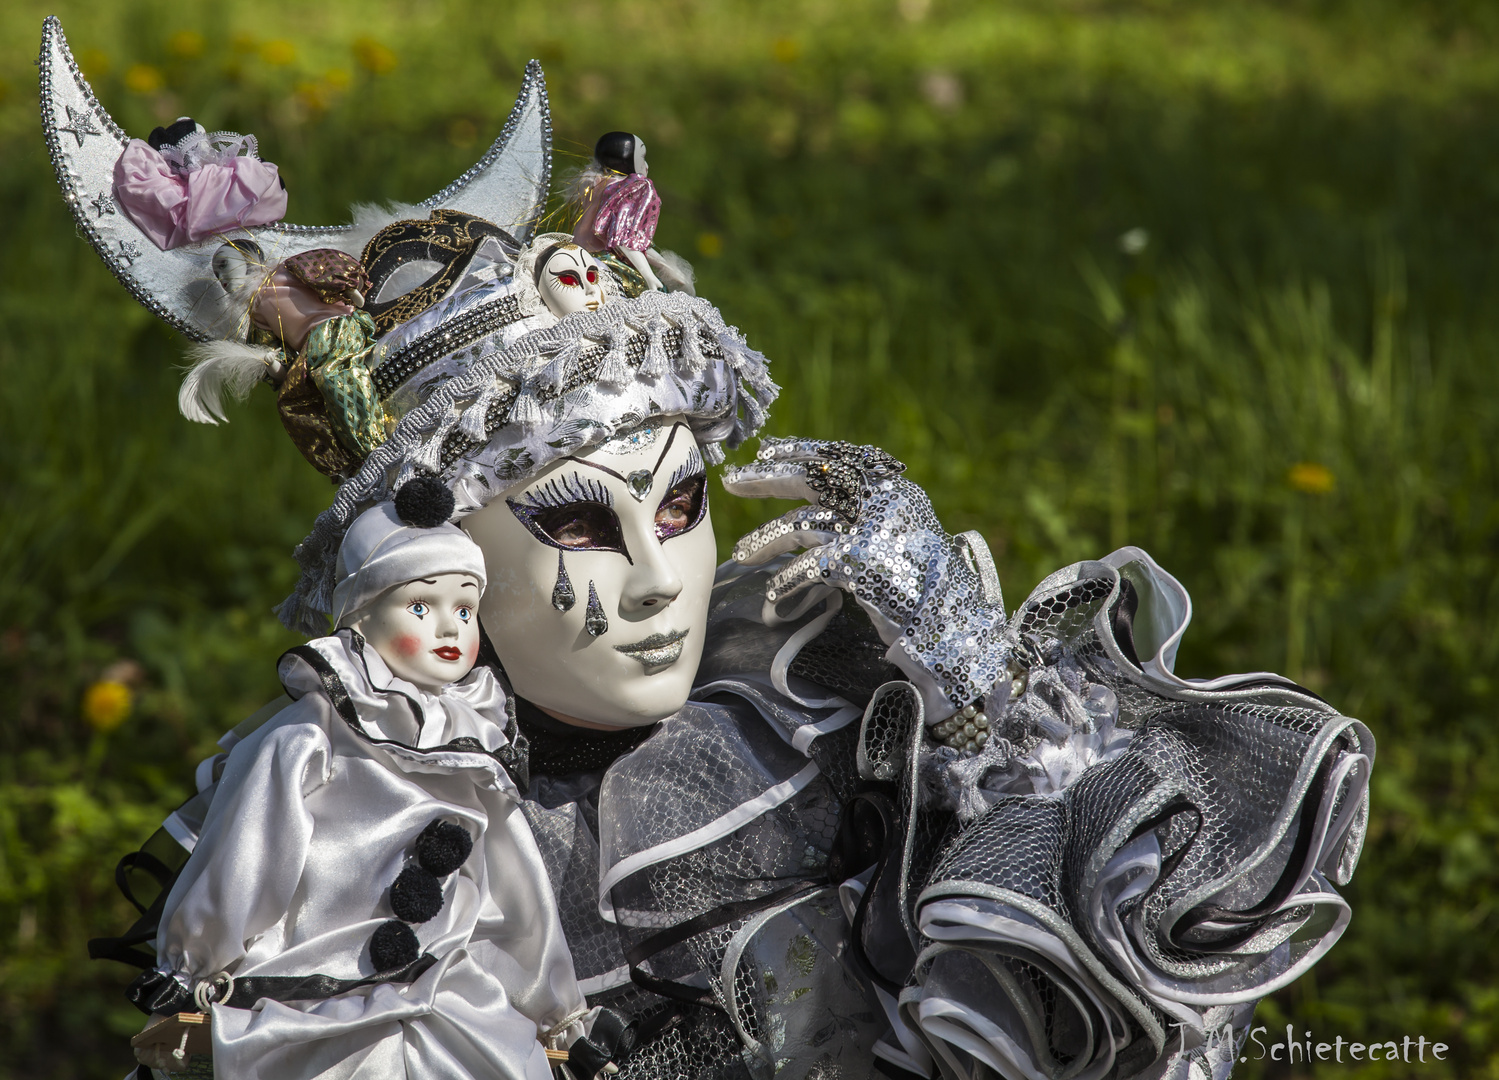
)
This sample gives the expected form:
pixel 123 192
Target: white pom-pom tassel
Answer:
pixel 526 410
pixel 473 423
pixel 693 357
pixel 553 377
pixel 615 368
pixel 429 457
pixel 656 362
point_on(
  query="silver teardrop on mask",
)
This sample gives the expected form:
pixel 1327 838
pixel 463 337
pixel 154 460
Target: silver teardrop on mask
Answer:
pixel 563 597
pixel 595 621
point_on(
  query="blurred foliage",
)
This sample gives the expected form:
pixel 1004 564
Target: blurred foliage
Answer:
pixel 1211 278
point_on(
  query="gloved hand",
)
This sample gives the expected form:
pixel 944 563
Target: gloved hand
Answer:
pixel 935 599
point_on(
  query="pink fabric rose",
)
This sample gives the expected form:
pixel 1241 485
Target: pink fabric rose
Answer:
pixel 182 208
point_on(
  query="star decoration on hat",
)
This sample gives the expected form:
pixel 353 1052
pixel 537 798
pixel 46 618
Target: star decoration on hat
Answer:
pixel 81 123
pixel 129 252
pixel 103 203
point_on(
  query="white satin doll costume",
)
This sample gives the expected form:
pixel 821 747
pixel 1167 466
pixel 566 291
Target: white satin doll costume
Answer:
pixel 317 814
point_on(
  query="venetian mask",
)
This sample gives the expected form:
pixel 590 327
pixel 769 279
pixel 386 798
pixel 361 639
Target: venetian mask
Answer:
pixel 426 631
pixel 569 281
pixel 600 570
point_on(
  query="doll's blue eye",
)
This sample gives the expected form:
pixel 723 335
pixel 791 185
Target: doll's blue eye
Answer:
pixel 465 613
pixel 417 608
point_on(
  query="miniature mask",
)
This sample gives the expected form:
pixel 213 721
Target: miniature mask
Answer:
pixel 628 522
pixel 568 280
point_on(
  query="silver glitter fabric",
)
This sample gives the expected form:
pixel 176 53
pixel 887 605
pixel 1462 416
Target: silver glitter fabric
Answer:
pixel 874 535
pixel 1143 858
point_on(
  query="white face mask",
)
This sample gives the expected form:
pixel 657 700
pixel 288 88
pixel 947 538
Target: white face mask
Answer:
pixel 569 281
pixel 641 168
pixel 426 631
pixel 629 521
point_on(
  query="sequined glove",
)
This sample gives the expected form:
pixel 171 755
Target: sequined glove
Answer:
pixel 934 598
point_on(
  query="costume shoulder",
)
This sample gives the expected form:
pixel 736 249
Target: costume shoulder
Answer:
pixel 1144 855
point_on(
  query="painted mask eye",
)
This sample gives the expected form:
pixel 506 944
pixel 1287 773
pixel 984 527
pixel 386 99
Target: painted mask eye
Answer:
pixel 574 526
pixel 593 275
pixel 683 507
pixel 568 278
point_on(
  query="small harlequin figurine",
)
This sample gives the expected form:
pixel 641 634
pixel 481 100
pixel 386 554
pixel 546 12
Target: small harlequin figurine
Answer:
pixel 364 886
pixel 619 209
pixel 305 330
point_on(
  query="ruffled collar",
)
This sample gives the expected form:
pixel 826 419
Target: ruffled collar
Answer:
pixel 468 716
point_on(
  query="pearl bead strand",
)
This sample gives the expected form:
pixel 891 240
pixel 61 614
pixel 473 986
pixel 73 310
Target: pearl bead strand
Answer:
pixel 966 732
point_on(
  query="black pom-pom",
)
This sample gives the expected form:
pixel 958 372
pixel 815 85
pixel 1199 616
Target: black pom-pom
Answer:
pixel 443 847
pixel 416 896
pixel 424 501
pixel 393 945
pixel 172 134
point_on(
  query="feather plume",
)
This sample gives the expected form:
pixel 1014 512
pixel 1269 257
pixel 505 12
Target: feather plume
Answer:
pixel 370 218
pixel 674 271
pixel 217 368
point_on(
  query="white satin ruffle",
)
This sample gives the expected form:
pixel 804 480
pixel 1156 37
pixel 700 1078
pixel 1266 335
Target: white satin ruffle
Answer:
pixel 310 824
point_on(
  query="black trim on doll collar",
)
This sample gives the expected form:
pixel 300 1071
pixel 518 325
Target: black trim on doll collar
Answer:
pixel 512 758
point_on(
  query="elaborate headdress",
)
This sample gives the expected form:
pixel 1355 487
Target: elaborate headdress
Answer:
pixel 511 411
pixel 463 375
pixel 507 186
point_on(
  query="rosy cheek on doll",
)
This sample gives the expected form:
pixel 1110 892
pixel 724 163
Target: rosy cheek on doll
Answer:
pixel 408 645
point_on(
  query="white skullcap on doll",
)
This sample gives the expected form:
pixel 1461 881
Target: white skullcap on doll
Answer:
pixel 401 541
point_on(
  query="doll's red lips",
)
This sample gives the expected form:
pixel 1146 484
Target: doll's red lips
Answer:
pixel 448 652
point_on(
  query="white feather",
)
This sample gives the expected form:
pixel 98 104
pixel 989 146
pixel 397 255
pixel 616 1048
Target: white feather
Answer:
pixel 220 367
pixel 674 271
pixel 370 218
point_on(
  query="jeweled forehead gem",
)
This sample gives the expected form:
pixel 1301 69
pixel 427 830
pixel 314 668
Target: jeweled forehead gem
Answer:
pixel 629 441
pixel 640 483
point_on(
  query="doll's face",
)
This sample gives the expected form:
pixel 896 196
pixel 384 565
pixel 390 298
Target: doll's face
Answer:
pixel 426 631
pixel 628 521
pixel 641 168
pixel 569 281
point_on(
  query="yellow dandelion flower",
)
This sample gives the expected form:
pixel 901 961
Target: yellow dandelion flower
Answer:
pixel 143 79
pixel 278 53
pixel 1311 478
pixel 106 704
pixel 186 44
pixel 373 57
pixel 710 244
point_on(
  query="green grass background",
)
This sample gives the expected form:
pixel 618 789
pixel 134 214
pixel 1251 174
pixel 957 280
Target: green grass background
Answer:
pixel 914 209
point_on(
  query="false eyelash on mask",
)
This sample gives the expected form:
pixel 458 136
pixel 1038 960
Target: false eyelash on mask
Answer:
pixel 564 489
pixel 690 467
pixel 571 502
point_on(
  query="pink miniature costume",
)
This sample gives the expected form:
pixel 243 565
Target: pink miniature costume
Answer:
pixel 207 192
pixel 628 209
